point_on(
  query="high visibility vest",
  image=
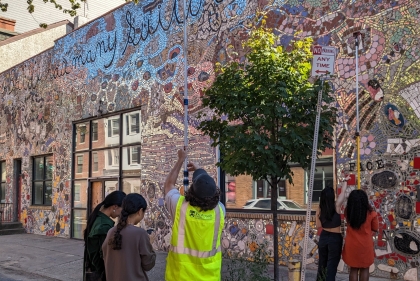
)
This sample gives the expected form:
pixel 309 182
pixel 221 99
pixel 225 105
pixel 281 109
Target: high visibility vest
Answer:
pixel 195 250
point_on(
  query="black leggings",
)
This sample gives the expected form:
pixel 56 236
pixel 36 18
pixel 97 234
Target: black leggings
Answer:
pixel 329 249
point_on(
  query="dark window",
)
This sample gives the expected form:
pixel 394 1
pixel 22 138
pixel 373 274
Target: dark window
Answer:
pixel 79 163
pixel 323 177
pixel 94 131
pixel 282 188
pixel 3 182
pixel 263 204
pixel 42 180
pixel 291 205
pixel 248 203
pixel 82 129
pixel 260 189
pixel 95 162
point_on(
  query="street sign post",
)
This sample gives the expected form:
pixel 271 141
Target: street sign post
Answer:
pixel 322 66
pixel 323 60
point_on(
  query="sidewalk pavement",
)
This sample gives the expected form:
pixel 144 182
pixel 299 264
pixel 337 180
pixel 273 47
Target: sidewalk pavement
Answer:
pixel 42 258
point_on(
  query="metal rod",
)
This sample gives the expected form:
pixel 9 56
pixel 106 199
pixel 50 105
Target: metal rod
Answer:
pixel 185 94
pixel 357 112
pixel 311 182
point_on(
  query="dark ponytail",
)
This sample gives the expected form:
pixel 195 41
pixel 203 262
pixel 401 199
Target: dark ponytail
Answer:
pixel 114 198
pixel 327 203
pixel 133 203
pixel 357 208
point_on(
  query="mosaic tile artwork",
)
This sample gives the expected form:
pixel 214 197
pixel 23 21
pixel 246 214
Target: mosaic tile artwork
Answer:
pixel 134 56
pixel 242 236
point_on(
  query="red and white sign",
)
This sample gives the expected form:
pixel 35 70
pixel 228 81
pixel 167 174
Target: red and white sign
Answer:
pixel 323 60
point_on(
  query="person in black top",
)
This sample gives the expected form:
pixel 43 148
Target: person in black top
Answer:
pixel 331 241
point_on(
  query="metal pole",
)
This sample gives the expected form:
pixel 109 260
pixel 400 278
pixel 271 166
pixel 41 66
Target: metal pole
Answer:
pixel 357 112
pixel 185 94
pixel 311 182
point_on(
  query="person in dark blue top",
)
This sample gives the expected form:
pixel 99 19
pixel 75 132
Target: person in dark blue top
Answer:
pixel 330 241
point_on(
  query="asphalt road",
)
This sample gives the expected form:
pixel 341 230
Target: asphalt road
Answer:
pixel 9 275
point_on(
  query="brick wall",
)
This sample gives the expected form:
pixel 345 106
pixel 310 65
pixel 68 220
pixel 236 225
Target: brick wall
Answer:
pixel 296 191
pixel 243 192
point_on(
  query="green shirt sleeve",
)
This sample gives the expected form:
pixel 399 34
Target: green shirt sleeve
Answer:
pixel 96 238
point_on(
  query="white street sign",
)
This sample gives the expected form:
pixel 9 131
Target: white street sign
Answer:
pixel 323 60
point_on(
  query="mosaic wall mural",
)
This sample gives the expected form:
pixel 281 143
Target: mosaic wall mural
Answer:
pixel 134 57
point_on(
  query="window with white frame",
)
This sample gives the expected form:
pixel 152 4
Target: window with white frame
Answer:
pixel 76 192
pixel 95 164
pixel 113 127
pixel 113 157
pixel 133 155
pixel 323 177
pixel 95 131
pixel 79 164
pixel 133 123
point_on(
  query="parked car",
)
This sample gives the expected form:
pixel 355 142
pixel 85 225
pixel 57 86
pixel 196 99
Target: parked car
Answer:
pixel 265 204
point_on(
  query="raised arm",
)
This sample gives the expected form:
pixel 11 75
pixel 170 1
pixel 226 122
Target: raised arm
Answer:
pixel 342 196
pixel 317 220
pixel 173 174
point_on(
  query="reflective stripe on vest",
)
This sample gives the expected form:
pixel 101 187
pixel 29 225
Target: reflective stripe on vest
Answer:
pixel 180 249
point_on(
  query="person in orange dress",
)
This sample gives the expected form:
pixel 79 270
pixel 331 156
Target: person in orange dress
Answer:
pixel 358 252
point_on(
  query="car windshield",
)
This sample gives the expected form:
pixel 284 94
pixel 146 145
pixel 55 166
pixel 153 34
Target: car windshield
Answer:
pixel 291 205
pixel 248 203
pixel 263 204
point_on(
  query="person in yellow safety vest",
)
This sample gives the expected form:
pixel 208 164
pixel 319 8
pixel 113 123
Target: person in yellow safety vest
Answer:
pixel 198 220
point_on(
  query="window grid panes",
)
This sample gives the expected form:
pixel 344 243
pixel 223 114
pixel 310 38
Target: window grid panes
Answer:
pixel 323 177
pixel 42 180
pixel 107 140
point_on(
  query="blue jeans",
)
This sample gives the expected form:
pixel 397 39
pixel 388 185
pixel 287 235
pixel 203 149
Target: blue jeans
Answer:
pixel 329 249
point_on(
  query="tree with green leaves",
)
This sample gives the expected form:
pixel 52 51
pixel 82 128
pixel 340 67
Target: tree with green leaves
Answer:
pixel 72 11
pixel 264 112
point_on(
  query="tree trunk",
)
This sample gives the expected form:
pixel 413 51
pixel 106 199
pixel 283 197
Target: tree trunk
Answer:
pixel 275 226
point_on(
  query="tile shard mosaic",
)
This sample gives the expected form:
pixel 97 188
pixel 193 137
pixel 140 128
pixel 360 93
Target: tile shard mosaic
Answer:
pixel 134 55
